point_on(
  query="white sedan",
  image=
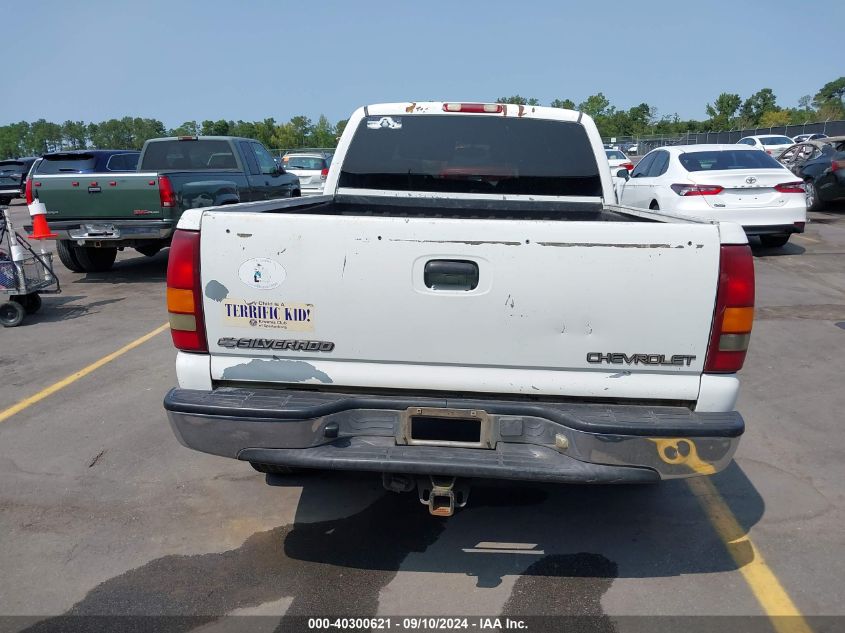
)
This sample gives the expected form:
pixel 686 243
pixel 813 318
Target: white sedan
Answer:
pixel 727 183
pixel 773 144
pixel 311 168
pixel 617 159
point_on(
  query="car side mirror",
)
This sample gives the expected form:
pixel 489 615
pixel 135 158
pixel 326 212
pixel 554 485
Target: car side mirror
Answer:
pixel 623 173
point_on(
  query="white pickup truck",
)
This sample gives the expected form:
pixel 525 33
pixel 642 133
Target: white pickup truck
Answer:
pixel 465 301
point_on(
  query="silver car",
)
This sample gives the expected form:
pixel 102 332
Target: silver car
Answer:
pixel 311 168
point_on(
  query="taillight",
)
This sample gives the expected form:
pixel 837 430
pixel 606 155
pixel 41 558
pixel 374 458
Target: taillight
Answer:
pixel 734 312
pixel 489 108
pixel 697 190
pixel 836 165
pixel 184 296
pixel 628 166
pixel 29 197
pixel 165 192
pixel 324 174
pixel 790 187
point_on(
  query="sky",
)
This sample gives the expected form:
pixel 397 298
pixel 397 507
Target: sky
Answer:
pixel 181 60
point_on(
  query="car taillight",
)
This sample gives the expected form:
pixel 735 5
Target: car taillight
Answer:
pixel 184 296
pixel 836 165
pixel 628 166
pixel 165 192
pixel 696 190
pixel 790 187
pixel 489 108
pixel 324 174
pixel 29 197
pixel 734 312
pixel 768 151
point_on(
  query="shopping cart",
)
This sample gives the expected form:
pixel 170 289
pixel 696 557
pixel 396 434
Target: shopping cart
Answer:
pixel 24 274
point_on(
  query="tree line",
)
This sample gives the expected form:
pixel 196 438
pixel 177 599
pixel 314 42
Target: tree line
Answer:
pixel 41 136
pixel 728 111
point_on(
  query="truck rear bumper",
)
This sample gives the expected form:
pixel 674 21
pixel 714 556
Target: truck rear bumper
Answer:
pixel 522 440
pixel 90 231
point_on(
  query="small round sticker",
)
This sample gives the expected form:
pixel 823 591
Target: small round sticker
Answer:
pixel 262 273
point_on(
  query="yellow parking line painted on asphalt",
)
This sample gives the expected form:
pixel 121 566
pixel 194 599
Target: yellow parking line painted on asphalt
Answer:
pixel 64 382
pixel 764 584
pixel 808 239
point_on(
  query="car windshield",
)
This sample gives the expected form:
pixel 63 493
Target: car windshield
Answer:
pixel 614 155
pixel 66 163
pixel 471 154
pixel 717 160
pixel 304 162
pixel 776 140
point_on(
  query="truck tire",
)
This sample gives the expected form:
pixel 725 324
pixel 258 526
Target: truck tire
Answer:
pixel 11 314
pixel 773 241
pixel 95 260
pixel 274 469
pixel 67 255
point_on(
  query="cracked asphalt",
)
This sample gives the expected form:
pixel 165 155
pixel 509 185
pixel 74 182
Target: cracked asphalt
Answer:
pixel 103 512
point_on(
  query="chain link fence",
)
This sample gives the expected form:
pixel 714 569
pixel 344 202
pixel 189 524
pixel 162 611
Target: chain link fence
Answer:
pixel 645 144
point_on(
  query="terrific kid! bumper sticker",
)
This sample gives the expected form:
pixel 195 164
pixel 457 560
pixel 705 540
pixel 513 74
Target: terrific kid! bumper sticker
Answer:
pixel 295 317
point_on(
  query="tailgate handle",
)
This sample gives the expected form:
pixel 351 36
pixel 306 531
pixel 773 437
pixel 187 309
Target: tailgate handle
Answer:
pixel 451 274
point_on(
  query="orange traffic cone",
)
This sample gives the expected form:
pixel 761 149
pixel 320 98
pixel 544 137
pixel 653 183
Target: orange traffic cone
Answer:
pixel 40 228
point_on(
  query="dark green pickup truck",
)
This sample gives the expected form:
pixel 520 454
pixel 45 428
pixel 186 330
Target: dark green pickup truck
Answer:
pixel 96 214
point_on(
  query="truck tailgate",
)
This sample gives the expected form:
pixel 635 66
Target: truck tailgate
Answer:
pixel 344 302
pixel 100 196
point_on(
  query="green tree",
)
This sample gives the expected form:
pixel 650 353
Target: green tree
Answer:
pixel 566 104
pixel 775 118
pixel 188 128
pixel 13 140
pixel 74 135
pixel 723 110
pixel 832 91
pixel 518 100
pixel 757 105
pixel 322 133
pixel 43 137
pixel 339 128
pixel 596 105
pixel 215 128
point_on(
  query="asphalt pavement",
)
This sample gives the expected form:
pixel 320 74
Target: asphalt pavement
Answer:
pixel 102 512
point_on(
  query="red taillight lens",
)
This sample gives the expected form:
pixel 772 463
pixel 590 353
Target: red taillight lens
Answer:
pixel 697 190
pixel 324 174
pixel 184 296
pixel 628 166
pixel 488 108
pixel 836 165
pixel 29 198
pixel 790 187
pixel 734 312
pixel 165 192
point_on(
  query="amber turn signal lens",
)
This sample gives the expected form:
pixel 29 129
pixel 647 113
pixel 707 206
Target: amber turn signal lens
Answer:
pixel 180 301
pixel 737 320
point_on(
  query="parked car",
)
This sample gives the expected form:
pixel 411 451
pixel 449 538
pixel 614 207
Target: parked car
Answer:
pixel 423 324
pixel 310 168
pixel 87 161
pixel 821 165
pixel 96 215
pixel 617 159
pixel 808 137
pixel 13 177
pixel 728 183
pixel 633 148
pixel 772 144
